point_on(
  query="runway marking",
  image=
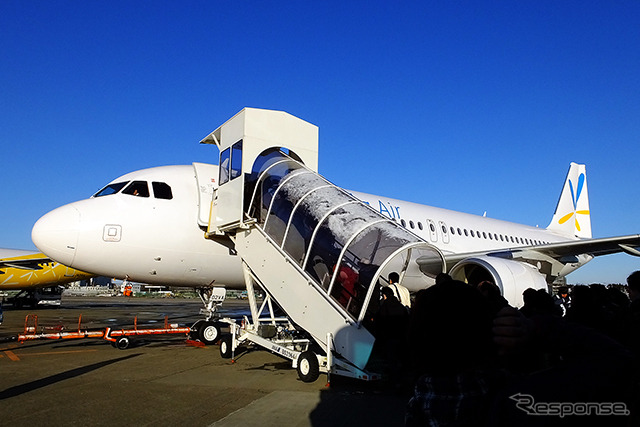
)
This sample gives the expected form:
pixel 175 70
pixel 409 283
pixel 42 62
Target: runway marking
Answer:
pixel 11 355
pixel 58 352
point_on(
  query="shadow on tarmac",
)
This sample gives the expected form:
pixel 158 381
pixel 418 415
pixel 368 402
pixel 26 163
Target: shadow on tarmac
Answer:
pixel 348 402
pixel 43 382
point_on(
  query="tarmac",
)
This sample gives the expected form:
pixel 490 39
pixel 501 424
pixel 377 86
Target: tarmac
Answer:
pixel 164 380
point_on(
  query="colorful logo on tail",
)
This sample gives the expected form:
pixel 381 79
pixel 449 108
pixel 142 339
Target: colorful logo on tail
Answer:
pixel 575 196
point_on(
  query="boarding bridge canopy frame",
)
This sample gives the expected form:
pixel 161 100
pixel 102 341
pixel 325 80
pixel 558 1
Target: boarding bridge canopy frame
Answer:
pixel 339 242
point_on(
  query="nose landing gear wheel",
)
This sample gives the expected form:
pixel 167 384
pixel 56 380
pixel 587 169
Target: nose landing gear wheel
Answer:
pixel 308 368
pixel 209 332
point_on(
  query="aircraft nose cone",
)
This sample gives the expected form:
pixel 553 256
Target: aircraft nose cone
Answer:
pixel 56 234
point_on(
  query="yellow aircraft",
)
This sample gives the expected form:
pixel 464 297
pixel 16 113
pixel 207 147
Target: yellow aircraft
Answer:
pixel 31 271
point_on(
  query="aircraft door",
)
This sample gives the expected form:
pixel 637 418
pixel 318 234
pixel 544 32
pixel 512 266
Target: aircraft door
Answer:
pixel 206 183
pixel 227 206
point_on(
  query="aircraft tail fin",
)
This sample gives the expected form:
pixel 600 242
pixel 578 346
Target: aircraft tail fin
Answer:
pixel 572 216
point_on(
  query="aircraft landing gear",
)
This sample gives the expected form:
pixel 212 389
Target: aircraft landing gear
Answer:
pixel 208 330
pixel 212 298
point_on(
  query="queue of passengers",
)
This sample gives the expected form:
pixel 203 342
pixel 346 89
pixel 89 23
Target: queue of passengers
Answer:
pixel 476 361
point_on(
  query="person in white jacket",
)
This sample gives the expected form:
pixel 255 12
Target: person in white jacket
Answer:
pixel 399 291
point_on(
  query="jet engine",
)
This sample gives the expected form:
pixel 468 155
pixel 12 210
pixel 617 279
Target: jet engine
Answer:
pixel 512 277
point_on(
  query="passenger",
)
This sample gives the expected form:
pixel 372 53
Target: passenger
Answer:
pixel 537 302
pixel 582 370
pixel 391 325
pixel 563 300
pixel 546 304
pixel 529 297
pixel 442 278
pixel 633 282
pixel 585 309
pixel 400 292
pixel 452 353
pixel 344 287
pixel 492 293
pixel 474 368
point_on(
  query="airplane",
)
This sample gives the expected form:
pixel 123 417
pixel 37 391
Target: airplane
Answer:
pixel 31 272
pixel 149 226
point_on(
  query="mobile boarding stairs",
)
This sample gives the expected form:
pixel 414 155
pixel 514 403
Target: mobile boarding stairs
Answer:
pixel 314 249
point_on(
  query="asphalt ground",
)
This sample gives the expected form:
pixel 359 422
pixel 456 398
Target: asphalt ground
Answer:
pixel 163 380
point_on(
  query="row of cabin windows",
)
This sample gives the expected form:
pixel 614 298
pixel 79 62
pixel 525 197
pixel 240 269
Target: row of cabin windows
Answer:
pixel 478 234
pixel 161 190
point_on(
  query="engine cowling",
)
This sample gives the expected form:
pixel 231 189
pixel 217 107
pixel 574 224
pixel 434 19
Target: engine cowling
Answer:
pixel 512 277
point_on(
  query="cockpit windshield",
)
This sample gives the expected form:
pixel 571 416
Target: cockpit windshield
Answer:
pixel 111 189
pixel 137 188
pixel 161 190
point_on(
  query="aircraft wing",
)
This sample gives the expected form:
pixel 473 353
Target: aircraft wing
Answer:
pixel 596 247
pixel 25 264
pixel 563 252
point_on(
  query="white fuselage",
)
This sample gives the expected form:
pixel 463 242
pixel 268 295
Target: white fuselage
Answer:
pixel 148 239
pixel 162 241
pixel 458 232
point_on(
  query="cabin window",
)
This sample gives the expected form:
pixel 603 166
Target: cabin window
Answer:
pixel 137 188
pixel 403 222
pixel 161 190
pixel 466 233
pixel 432 227
pixel 111 189
pixel 459 232
pixel 473 234
pixel 420 225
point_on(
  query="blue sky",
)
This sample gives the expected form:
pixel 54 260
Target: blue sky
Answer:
pixel 473 106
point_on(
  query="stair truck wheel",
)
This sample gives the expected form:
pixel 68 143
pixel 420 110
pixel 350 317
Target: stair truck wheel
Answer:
pixel 122 343
pixel 209 332
pixel 308 368
pixel 225 346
